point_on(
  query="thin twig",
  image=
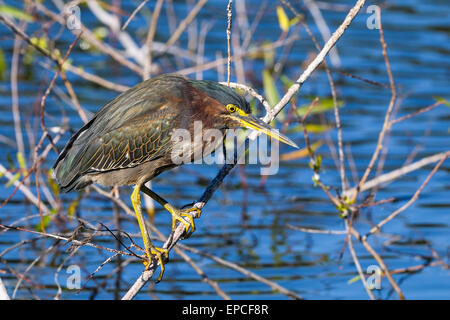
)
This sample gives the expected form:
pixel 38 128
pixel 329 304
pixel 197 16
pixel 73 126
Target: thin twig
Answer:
pixel 149 40
pixel 293 89
pixel 223 61
pixel 250 91
pixel 313 8
pixel 323 29
pixel 229 20
pixel 274 286
pixel 379 260
pixel 411 201
pixel 357 264
pixel 434 105
pixel 202 274
pixel 131 17
pixel 77 70
pixel 182 26
pixel 309 230
pixel 67 239
pixel 386 124
pixel 395 174
pixel 15 96
pixel 90 37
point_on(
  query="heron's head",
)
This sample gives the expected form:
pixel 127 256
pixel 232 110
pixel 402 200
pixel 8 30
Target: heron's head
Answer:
pixel 235 111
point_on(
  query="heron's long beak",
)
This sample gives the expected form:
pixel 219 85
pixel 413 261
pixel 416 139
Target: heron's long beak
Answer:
pixel 252 122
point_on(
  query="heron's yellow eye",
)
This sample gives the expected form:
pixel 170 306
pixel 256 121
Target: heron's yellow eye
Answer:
pixel 231 108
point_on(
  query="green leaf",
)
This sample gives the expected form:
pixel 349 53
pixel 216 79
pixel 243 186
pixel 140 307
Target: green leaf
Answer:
pixel 66 64
pixel 286 81
pixel 254 51
pixel 40 42
pixel 15 12
pixel 354 279
pixel 3 66
pixel 53 186
pixel 270 89
pixel 442 100
pixel 316 163
pixel 342 207
pixel 294 21
pixel 45 222
pixel 10 161
pixel 29 56
pixel 311 128
pixel 302 153
pixel 268 54
pixel 13 179
pixel 324 105
pixel 72 207
pixel 101 33
pixel 318 128
pixel 283 19
pixel 21 161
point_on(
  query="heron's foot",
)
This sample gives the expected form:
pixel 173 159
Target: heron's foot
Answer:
pixel 179 215
pixel 158 253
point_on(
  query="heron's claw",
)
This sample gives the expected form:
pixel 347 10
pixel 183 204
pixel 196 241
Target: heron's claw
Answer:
pixel 159 253
pixel 179 215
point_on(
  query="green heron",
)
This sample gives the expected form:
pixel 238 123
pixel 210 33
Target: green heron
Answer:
pixel 129 140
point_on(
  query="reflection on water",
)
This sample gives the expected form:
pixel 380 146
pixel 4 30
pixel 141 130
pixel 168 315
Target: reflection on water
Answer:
pixel 243 223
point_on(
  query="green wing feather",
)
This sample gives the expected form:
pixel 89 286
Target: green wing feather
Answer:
pixel 129 145
pixel 129 130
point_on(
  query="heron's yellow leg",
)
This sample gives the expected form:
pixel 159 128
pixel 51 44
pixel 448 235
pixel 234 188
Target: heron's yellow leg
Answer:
pixel 177 214
pixel 150 249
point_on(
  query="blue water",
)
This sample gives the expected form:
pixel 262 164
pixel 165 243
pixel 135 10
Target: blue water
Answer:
pixel 249 227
